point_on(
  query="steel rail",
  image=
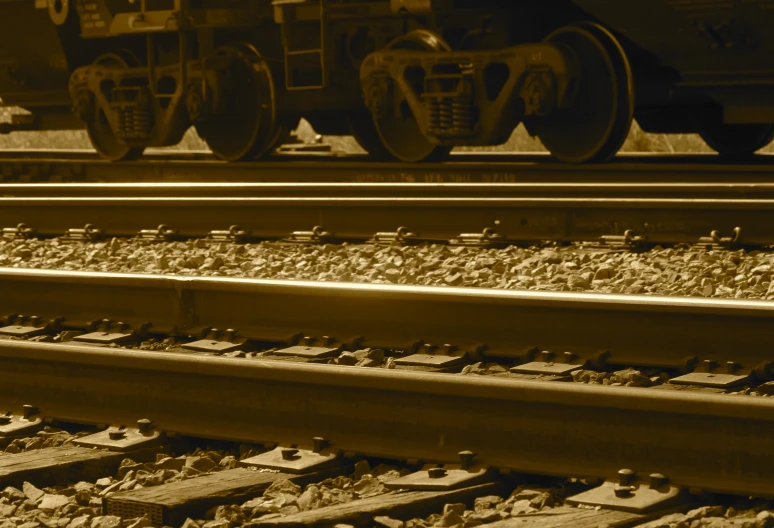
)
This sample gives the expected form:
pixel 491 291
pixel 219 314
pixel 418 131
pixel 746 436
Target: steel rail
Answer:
pixel 634 330
pixel 462 167
pixel 522 219
pixel 684 190
pixel 717 443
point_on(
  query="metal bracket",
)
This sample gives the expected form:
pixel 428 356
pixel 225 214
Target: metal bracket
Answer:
pixel 629 240
pixel 548 366
pixel 308 352
pixel 399 237
pixel 318 235
pixel 107 332
pixel 13 425
pixel 89 233
pixel 427 360
pixel 20 232
pixel 715 241
pixel 30 326
pixel 121 438
pixel 208 345
pixel 160 234
pixel 433 477
pixel 296 459
pixel 486 238
pixel 434 357
pixel 707 375
pixel 631 494
pixel 233 234
pixel 218 341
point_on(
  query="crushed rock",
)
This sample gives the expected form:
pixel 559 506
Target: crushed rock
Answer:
pixel 660 271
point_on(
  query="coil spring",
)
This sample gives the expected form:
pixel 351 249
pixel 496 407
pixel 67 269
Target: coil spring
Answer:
pixel 134 123
pixel 452 116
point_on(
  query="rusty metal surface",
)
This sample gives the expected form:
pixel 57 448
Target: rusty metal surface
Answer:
pixel 520 219
pixel 718 443
pixel 635 330
pixel 44 166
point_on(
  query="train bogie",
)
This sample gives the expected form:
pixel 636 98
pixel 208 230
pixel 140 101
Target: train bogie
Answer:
pixel 410 79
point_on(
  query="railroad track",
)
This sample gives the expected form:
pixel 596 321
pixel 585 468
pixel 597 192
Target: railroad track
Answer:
pixel 623 215
pixel 83 166
pixel 246 348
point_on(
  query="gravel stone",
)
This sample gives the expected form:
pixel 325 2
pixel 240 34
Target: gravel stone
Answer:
pixel 106 521
pixel 32 493
pixel 388 522
pixel 52 502
pixel 661 271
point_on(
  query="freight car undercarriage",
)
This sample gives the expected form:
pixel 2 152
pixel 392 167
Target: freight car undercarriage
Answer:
pixel 391 73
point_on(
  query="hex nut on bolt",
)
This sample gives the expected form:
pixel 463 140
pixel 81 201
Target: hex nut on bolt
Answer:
pixel 466 459
pixel 436 472
pixel 116 435
pixel 657 480
pixel 625 476
pixel 623 492
pixel 288 453
pixel 144 425
pixel 28 411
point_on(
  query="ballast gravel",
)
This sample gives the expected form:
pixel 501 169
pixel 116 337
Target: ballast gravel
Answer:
pixel 673 271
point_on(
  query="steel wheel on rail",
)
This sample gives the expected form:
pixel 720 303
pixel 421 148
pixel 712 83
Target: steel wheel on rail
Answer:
pixel 247 128
pixel 361 126
pixel 400 134
pixel 735 141
pixel 598 122
pixel 101 134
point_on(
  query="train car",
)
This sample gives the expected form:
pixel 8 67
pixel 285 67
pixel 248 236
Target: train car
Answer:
pixel 409 79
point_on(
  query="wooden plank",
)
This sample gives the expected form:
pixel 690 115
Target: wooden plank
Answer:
pixel 170 504
pixel 61 465
pixel 577 518
pixel 398 505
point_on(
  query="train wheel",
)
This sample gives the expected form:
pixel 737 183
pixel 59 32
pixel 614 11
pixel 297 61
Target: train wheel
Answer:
pixel 361 126
pixel 597 124
pixel 736 141
pixel 248 128
pixel 101 134
pixel 400 134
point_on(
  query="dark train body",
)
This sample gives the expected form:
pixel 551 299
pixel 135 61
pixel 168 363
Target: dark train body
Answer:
pixel 409 79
